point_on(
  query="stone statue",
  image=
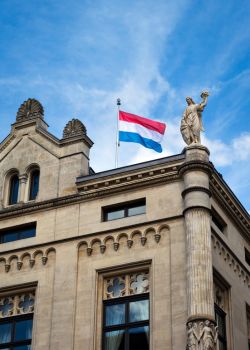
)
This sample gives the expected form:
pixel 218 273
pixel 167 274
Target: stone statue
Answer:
pixel 191 123
pixel 208 336
pixel 192 337
pixel 201 335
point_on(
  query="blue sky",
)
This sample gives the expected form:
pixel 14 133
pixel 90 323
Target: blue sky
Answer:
pixel 77 57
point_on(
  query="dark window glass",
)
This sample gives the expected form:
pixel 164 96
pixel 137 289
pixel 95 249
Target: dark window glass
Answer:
pixel 34 184
pixel 139 338
pixel 19 232
pixel 126 323
pixel 115 314
pixel 125 210
pixel 16 333
pixel 14 186
pixel 247 256
pixel 220 318
pixel 23 330
pixel 218 221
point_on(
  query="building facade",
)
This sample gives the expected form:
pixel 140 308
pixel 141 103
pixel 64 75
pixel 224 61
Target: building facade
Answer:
pixel 149 256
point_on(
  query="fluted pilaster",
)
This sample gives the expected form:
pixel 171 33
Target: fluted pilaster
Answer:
pixel 201 330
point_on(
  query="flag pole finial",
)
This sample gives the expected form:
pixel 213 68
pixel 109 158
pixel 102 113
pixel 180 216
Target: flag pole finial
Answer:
pixel 118 102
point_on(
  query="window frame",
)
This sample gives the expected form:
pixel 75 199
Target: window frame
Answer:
pixel 4 232
pixel 126 206
pixel 11 189
pixel 32 183
pixel 126 326
pixel 218 222
pixel 222 338
pixel 13 320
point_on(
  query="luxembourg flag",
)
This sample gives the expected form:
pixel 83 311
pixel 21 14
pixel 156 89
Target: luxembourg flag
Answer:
pixel 147 132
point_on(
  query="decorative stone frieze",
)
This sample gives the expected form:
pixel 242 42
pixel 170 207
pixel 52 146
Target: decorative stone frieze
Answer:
pixel 230 203
pixel 126 285
pixel 30 109
pixel 201 335
pixel 116 238
pixel 18 304
pixel 16 262
pixel 224 252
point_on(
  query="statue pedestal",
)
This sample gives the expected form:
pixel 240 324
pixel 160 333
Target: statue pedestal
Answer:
pixel 196 171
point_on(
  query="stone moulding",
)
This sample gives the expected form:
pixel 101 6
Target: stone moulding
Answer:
pixel 229 258
pixel 231 204
pixel 117 183
pixel 17 261
pixel 115 238
pixel 98 189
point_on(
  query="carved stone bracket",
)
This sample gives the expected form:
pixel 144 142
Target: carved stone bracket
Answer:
pixel 201 335
pixel 129 237
pixel 16 262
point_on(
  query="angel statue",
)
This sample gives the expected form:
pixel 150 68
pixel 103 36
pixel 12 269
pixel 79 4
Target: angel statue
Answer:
pixel 191 123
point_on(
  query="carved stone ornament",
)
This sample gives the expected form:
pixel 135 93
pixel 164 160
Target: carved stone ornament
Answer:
pixel 191 122
pixel 201 335
pixel 74 128
pixel 30 109
pixel 125 285
pixel 18 304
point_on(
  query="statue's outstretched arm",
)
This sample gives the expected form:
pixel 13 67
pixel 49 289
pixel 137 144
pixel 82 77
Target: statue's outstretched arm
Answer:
pixel 202 105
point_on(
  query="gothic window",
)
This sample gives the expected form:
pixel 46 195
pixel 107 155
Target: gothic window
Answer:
pixel 124 210
pixel 220 318
pixel 34 184
pixel 16 319
pixel 126 312
pixel 248 325
pixel 221 310
pixel 13 189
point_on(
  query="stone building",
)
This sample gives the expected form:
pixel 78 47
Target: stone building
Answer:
pixel 146 256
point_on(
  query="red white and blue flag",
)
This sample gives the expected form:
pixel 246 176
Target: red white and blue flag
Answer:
pixel 147 132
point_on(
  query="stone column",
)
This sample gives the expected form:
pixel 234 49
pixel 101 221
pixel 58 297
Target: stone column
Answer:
pixel 201 331
pixel 22 185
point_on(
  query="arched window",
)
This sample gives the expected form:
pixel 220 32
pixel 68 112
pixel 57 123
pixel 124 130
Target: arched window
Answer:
pixel 34 184
pixel 14 187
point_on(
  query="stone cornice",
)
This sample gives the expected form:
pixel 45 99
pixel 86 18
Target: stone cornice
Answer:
pixel 221 248
pixel 223 194
pixel 98 188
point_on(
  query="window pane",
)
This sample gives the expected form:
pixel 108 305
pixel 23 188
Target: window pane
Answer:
pixel 5 333
pixel 138 311
pixel 115 314
pixel 27 232
pixel 34 184
pixel 136 210
pixel 139 338
pixel 23 330
pixel 22 347
pixel 115 214
pixel 9 237
pixel 115 340
pixel 14 185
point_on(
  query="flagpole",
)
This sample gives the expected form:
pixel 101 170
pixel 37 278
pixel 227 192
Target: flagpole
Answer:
pixel 118 102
